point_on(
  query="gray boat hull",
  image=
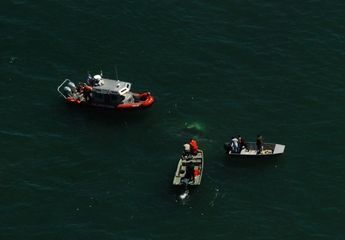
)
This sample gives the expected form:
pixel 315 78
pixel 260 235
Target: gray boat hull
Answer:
pixel 269 149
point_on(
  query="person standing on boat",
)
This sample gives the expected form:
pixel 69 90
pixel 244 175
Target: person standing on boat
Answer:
pixel 193 146
pixel 189 173
pixel 186 149
pixel 90 80
pixel 242 143
pixel 259 144
pixel 234 145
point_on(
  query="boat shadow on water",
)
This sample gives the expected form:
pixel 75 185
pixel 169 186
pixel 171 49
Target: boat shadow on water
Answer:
pixel 253 161
pixel 106 115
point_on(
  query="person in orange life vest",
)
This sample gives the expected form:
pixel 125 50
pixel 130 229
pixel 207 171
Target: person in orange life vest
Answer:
pixel 193 146
pixel 196 172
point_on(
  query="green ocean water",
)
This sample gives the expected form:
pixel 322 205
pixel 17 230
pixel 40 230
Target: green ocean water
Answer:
pixel 227 67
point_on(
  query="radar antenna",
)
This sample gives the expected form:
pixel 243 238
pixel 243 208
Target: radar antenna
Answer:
pixel 117 77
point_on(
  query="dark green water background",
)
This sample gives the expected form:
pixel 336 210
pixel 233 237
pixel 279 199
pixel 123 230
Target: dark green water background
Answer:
pixel 248 67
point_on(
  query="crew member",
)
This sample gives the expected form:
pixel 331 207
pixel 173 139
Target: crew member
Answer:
pixel 259 144
pixel 186 149
pixel 234 145
pixel 242 143
pixel 193 146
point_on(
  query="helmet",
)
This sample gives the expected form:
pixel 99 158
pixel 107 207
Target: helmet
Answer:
pixel 97 77
pixel 186 147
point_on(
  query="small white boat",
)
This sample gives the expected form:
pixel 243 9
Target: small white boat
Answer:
pixel 269 149
pixel 189 169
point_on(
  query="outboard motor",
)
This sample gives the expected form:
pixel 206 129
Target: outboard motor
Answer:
pixel 227 146
pixel 72 87
pixel 67 91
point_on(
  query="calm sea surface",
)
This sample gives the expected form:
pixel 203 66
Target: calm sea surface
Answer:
pixel 216 68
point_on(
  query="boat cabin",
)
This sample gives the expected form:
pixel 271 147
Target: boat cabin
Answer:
pixel 111 92
pixel 108 86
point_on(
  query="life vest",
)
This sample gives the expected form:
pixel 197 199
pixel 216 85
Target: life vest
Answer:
pixel 193 146
pixel 196 172
pixel 87 88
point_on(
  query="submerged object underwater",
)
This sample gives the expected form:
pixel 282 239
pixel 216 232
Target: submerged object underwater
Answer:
pixel 194 127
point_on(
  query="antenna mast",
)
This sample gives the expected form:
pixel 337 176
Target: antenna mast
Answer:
pixel 117 77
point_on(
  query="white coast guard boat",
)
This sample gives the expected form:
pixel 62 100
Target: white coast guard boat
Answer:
pixel 104 92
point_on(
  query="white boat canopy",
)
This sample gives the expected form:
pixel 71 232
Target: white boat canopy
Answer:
pixel 113 86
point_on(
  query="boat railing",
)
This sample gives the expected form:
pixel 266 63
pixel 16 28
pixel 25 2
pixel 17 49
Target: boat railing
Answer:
pixel 61 85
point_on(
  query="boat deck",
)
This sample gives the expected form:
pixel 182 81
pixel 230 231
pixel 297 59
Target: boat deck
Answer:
pixel 268 149
pixel 187 164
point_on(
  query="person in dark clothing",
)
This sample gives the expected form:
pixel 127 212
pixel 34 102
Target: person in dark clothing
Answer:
pixel 242 143
pixel 259 144
pixel 90 80
pixel 190 172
